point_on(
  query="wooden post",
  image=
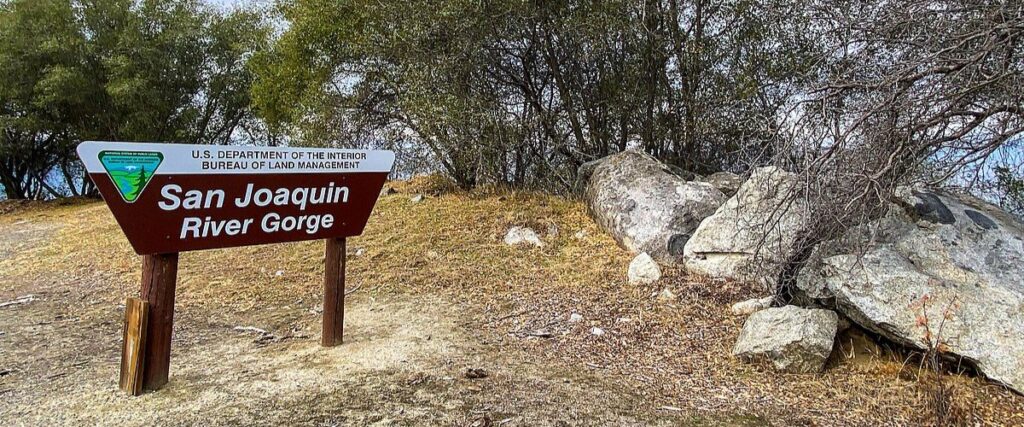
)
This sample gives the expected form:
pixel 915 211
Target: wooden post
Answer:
pixel 334 293
pixel 132 363
pixel 159 275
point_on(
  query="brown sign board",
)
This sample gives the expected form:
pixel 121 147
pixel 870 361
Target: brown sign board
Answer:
pixel 172 198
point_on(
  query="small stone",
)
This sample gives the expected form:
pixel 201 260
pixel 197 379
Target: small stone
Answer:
pixel 666 295
pixel 792 339
pixel 596 331
pixel 279 273
pixel 388 190
pixel 575 317
pixel 360 252
pixel 751 306
pixel 476 373
pixel 580 235
pixel 643 270
pixel 417 198
pixel 522 235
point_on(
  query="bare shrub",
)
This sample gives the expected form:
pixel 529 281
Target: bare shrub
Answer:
pixel 910 90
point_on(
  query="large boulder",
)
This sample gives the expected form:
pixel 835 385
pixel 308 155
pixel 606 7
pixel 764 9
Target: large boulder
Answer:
pixel 937 271
pixel 645 206
pixel 793 339
pixel 754 235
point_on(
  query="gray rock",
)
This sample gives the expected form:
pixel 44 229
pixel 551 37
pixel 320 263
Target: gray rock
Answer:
pixel 666 295
pixel 583 174
pixel 417 198
pixel 522 236
pixel 643 270
pixel 682 173
pixel 754 234
pixel 954 259
pixel 844 324
pixel 645 207
pixel 750 306
pixel 793 339
pixel 726 182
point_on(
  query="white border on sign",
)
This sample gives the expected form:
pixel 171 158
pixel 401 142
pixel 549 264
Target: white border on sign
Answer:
pixel 182 159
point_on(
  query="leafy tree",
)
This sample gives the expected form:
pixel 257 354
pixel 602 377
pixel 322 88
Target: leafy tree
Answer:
pixel 151 70
pixel 523 92
pixel 1010 187
pixel 42 89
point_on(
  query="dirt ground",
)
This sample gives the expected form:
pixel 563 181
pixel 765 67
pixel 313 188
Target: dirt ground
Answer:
pixel 433 293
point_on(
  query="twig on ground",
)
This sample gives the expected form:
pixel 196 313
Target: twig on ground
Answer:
pixel 351 291
pixel 19 300
pixel 509 316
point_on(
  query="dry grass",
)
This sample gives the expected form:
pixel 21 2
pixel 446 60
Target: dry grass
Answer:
pixel 449 246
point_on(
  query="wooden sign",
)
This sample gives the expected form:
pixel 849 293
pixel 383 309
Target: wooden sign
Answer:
pixel 171 198
pixel 174 198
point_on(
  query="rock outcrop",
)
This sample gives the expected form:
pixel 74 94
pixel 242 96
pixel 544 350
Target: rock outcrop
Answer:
pixel 793 339
pixel 645 206
pixel 934 259
pixel 726 182
pixel 754 234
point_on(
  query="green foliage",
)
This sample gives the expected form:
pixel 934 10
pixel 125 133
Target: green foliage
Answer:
pixel 151 70
pixel 1010 187
pixel 523 92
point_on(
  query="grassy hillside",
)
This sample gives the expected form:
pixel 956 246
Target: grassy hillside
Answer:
pixel 434 291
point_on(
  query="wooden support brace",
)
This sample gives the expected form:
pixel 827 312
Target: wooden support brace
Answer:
pixel 136 314
pixel 334 293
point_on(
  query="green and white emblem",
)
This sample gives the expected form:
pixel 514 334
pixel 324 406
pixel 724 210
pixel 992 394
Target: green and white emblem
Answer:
pixel 130 171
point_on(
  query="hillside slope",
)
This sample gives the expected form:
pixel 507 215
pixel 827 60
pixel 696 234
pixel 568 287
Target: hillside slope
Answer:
pixel 434 292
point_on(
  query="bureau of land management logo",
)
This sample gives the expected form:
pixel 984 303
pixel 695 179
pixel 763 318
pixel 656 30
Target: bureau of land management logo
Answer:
pixel 130 170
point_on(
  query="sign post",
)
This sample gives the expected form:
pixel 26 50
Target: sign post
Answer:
pixel 334 293
pixel 171 198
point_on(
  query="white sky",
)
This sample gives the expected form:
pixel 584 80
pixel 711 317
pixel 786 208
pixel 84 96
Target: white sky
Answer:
pixel 234 3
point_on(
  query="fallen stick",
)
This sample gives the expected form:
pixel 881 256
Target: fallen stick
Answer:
pixel 20 300
pixel 251 329
pixel 350 291
pixel 509 316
